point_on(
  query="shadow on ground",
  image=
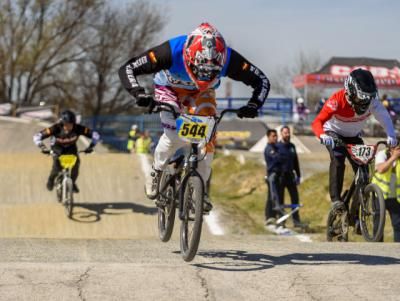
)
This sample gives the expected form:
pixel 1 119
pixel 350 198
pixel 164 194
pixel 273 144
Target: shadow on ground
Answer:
pixel 94 211
pixel 234 260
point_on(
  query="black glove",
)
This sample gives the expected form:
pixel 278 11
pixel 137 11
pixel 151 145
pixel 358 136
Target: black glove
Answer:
pixel 44 149
pixel 88 150
pixel 248 111
pixel 144 100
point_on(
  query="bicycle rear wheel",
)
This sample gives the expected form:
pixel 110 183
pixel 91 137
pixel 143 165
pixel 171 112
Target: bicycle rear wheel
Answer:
pixel 372 213
pixel 191 226
pixel 337 225
pixel 166 208
pixel 68 197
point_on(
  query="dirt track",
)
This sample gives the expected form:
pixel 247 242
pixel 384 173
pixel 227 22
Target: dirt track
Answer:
pixel 111 203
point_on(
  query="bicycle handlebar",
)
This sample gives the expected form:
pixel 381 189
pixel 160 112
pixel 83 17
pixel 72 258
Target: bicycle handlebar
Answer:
pixel 52 153
pixel 163 106
pixel 340 142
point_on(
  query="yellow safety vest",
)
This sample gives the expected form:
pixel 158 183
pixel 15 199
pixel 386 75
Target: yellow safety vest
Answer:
pixel 383 181
pixel 131 142
pixel 143 145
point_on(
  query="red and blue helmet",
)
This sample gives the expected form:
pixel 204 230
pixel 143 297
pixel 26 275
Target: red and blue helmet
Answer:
pixel 204 55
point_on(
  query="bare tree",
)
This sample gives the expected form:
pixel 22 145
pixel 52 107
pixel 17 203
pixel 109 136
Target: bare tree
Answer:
pixel 37 37
pixel 114 36
pixel 281 79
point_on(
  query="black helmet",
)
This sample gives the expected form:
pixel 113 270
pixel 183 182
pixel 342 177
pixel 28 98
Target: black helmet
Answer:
pixel 68 116
pixel 360 90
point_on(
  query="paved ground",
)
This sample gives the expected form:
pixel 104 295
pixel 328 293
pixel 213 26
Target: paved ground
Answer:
pixel 226 268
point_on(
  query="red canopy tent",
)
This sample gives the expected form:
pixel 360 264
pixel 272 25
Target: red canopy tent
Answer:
pixel 333 74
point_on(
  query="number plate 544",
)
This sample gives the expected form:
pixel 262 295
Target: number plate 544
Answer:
pixel 193 130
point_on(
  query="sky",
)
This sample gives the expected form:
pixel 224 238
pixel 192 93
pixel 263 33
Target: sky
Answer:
pixel 271 34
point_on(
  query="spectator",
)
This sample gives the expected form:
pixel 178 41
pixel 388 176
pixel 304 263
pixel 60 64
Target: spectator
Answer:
pixel 319 105
pixel 143 143
pixel 387 177
pixel 272 160
pixel 132 136
pixel 301 109
pixel 290 172
pixel 388 107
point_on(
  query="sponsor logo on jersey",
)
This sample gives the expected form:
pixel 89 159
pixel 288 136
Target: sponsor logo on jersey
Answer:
pixel 333 104
pixel 177 81
pixel 152 57
pixel 245 66
pixel 139 62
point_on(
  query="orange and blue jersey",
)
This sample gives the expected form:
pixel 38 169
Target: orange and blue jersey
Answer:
pixel 167 63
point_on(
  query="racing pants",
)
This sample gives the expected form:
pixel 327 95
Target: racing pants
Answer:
pixel 337 166
pixel 199 103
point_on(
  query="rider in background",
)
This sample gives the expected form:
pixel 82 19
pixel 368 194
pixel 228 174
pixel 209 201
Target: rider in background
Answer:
pixel 63 138
pixel 187 71
pixel 344 116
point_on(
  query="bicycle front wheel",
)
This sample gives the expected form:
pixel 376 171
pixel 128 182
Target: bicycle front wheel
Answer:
pixel 166 208
pixel 372 213
pixel 68 197
pixel 190 233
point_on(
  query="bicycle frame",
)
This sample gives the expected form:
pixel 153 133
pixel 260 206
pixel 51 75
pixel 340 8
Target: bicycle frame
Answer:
pixel 360 179
pixel 191 160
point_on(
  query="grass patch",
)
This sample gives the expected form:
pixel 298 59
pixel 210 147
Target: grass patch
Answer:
pixel 241 191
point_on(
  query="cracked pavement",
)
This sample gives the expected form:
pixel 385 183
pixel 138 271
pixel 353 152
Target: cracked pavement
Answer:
pixel 226 268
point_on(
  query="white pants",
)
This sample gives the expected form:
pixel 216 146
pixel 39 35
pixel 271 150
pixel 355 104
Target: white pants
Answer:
pixel 169 143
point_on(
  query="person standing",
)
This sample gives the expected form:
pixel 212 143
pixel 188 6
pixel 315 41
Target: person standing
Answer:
pixel 387 177
pixel 132 136
pixel 290 172
pixel 143 143
pixel 272 161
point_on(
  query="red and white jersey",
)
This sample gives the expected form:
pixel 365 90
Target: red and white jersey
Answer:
pixel 338 116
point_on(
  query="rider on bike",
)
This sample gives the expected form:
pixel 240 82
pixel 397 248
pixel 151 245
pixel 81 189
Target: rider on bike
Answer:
pixel 63 137
pixel 187 71
pixel 344 116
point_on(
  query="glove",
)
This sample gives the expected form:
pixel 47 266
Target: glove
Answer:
pixel 298 180
pixel 327 140
pixel 88 150
pixel 391 141
pixel 248 111
pixel 144 100
pixel 44 149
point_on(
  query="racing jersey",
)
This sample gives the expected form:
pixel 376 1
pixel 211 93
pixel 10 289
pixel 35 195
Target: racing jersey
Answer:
pixel 338 116
pixel 166 61
pixel 65 142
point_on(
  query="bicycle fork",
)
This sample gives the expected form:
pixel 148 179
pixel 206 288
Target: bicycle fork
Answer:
pixel 66 183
